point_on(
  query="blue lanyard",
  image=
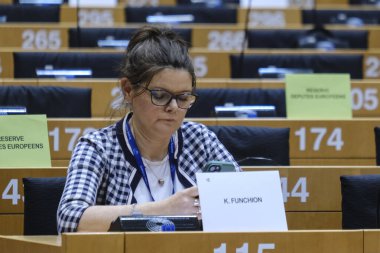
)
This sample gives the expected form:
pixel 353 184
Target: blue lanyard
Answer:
pixel 136 153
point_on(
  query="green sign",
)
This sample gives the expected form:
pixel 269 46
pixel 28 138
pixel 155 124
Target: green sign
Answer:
pixel 24 141
pixel 318 96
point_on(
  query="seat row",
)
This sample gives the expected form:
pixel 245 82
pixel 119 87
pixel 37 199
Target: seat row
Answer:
pixel 280 17
pixel 140 3
pixel 207 64
pixel 213 37
pixel 97 98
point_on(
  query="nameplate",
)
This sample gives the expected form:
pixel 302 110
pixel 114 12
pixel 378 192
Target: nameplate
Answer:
pixel 264 4
pixel 241 201
pixel 93 3
pixel 318 96
pixel 24 141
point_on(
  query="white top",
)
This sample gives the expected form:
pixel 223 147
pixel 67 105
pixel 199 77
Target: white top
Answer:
pixel 156 170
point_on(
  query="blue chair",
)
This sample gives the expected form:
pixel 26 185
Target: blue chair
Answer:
pixel 42 196
pixel 50 100
pixel 377 144
pixel 255 145
pixel 26 64
pixel 360 201
pixel 248 66
pixel 200 14
pixel 209 98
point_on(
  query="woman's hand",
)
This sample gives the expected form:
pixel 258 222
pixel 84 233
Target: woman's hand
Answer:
pixel 183 202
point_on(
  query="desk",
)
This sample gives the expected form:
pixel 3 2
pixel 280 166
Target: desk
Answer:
pixel 216 64
pixel 371 241
pixel 312 142
pixel 92 16
pixel 34 36
pixel 326 241
pixel 365 93
pixel 213 64
pixel 230 37
pixel 312 194
pixel 6 64
pixel 67 243
pixel 214 37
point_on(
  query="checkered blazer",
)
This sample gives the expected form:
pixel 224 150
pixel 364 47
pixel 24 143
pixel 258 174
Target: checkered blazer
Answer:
pixel 103 171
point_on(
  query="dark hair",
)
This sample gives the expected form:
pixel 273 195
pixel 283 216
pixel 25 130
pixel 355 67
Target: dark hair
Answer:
pixel 152 49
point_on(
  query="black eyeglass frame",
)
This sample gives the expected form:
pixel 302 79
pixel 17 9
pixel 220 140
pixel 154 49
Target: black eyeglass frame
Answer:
pixel 175 96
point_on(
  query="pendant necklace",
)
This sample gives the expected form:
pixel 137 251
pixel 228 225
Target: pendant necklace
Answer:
pixel 160 181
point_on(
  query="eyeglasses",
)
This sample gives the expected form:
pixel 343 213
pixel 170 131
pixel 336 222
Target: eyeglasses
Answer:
pixel 162 97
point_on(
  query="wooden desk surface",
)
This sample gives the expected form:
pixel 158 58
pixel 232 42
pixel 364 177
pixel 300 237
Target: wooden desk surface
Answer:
pixel 30 244
pixel 67 243
pixel 297 241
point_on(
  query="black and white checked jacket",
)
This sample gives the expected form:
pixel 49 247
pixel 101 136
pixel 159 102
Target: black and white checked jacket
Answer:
pixel 103 171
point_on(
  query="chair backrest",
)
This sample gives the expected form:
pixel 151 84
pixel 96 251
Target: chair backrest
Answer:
pixel 209 98
pixel 90 37
pixel 30 13
pixel 201 14
pixel 249 65
pixel 288 38
pixel 26 63
pixel 377 144
pixel 49 100
pixel 42 196
pixel 360 201
pixel 352 17
pixel 255 145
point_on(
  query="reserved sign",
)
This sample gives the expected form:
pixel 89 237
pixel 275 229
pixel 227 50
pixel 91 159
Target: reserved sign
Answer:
pixel 318 96
pixel 24 141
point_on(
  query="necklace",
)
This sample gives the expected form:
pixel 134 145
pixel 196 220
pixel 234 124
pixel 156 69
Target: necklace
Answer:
pixel 160 180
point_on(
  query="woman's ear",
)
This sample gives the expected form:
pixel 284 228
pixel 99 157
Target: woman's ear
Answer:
pixel 126 86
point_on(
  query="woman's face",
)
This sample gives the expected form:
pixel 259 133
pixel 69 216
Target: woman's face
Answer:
pixel 161 121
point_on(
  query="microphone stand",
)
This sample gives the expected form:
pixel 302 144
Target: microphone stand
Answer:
pixel 245 39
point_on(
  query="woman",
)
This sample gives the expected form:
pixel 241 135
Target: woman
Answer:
pixel 147 161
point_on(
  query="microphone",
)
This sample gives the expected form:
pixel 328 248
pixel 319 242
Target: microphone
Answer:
pixel 245 39
pixel 378 210
pixel 319 37
pixel 78 37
